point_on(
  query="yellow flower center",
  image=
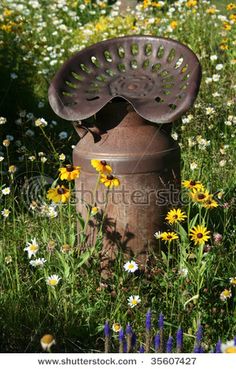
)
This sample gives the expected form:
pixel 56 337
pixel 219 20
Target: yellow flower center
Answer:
pixel 52 282
pixel 116 327
pixel 131 266
pixel 134 302
pixel 33 247
pixel 231 350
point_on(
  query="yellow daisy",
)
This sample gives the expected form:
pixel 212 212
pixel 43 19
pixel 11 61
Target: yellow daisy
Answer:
pixel 58 194
pixel 231 6
pixel 109 180
pixel 224 47
pixel 69 172
pixel 199 234
pixel 227 26
pixel 232 17
pixel 200 196
pixel 101 166
pixel 211 10
pixel 169 236
pixel 210 203
pixel 193 185
pixel 191 3
pixel 175 216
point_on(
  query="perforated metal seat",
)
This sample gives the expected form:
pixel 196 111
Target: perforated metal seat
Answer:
pixel 159 77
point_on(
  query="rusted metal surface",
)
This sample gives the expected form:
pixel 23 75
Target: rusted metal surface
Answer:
pixel 146 160
pixel 159 77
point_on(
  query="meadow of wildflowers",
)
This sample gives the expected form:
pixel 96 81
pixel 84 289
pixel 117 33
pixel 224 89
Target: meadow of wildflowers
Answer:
pixel 52 296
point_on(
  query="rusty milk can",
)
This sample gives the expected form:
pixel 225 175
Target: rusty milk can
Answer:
pixel 134 87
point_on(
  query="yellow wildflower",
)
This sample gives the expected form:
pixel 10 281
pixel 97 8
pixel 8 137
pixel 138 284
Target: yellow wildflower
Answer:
pixel 101 166
pixel 175 216
pixel 109 180
pixel 200 196
pixel 210 203
pixel 231 6
pixel 232 17
pixel 224 47
pixel 59 194
pixel 173 24
pixel 169 236
pixel 211 10
pixel 7 13
pixel 191 3
pixel 193 185
pixel 227 26
pixel 69 172
pixel 199 234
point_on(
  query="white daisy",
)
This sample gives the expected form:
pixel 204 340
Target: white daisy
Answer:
pixel 130 266
pixel 157 235
pixel 41 122
pixel 6 191
pixel 53 280
pixel 5 213
pixel 133 301
pixel 47 341
pixel 116 327
pixel 32 248
pixel 228 348
pixel 38 262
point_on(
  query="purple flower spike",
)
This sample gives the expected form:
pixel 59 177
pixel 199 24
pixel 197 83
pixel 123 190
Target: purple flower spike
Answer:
pixel 218 347
pixel 235 341
pixel 179 338
pixel 141 350
pixel 133 339
pixel 121 335
pixel 199 334
pixel 161 321
pixel 148 320
pixel 125 346
pixel 169 345
pixel 129 329
pixel 106 329
pixel 157 342
pixel 198 349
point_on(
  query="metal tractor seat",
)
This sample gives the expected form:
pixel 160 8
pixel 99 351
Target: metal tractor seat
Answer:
pixel 159 77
